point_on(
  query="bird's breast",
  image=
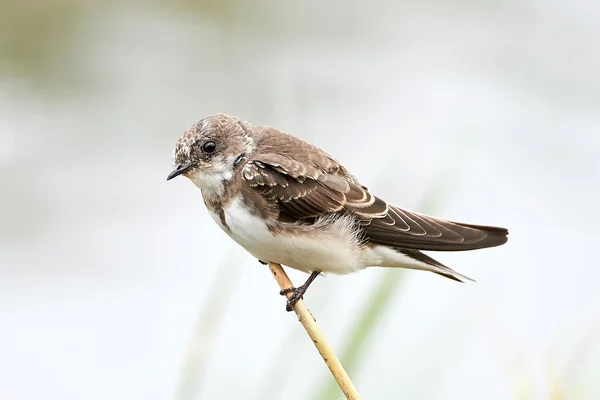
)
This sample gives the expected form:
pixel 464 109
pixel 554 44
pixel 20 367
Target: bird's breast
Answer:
pixel 329 245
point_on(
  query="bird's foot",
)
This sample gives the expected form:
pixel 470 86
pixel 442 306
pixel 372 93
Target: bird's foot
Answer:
pixel 297 293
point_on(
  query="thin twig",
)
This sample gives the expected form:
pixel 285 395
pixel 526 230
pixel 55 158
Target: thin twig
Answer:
pixel 313 331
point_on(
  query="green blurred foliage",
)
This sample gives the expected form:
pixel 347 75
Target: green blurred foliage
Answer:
pixel 363 328
pixel 36 38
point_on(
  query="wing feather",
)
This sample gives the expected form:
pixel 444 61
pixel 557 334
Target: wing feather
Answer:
pixel 307 183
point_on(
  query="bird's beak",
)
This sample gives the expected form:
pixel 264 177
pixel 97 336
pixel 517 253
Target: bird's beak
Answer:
pixel 179 169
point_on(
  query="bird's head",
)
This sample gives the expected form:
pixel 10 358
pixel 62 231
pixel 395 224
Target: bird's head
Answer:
pixel 208 152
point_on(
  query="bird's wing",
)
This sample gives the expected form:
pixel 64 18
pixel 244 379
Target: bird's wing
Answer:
pixel 308 183
pixel 406 229
pixel 305 183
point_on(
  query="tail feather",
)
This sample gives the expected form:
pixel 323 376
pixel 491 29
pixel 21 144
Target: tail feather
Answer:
pixel 438 267
pixel 404 229
pixel 496 236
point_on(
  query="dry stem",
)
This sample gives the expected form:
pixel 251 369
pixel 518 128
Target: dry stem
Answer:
pixel 311 327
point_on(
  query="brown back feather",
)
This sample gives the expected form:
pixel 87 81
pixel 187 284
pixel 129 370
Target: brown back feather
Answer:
pixel 307 183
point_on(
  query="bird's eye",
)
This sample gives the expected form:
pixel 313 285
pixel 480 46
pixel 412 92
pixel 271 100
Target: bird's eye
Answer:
pixel 209 147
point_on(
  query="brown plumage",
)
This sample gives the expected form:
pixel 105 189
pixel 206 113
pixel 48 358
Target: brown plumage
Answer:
pixel 307 183
pixel 282 199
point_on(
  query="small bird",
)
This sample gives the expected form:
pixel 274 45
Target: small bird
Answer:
pixel 288 202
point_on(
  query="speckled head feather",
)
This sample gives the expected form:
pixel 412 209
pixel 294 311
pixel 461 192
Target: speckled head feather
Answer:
pixel 229 134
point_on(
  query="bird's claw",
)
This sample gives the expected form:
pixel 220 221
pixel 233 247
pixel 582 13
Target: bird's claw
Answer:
pixel 297 294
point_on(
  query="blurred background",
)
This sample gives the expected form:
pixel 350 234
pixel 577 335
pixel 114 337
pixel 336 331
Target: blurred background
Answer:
pixel 116 284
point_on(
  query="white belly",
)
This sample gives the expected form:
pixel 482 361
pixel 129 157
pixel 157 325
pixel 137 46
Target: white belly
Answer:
pixel 332 247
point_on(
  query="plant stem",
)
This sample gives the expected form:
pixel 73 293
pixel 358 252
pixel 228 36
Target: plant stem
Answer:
pixel 317 337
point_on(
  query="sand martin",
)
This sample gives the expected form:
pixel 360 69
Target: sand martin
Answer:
pixel 286 201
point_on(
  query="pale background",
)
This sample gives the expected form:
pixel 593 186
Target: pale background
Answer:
pixel 111 278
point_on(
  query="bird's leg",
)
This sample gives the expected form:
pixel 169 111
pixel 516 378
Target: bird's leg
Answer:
pixel 298 292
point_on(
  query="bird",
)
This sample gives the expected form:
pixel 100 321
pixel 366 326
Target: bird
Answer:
pixel 289 202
